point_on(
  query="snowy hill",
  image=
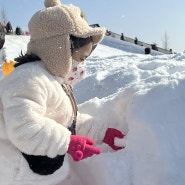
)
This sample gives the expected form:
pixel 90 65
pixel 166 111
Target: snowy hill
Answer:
pixel 144 96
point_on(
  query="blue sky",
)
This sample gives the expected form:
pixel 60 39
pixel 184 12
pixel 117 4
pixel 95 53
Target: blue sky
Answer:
pixel 148 20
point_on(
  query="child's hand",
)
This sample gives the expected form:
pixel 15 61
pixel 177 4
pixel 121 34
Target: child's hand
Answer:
pixel 81 147
pixel 111 136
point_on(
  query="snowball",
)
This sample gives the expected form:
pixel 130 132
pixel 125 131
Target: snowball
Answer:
pixel 120 142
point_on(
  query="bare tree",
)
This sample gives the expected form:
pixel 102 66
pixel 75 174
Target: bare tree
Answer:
pixel 4 18
pixel 165 41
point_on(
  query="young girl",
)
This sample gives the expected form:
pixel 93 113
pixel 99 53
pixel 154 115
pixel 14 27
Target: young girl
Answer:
pixel 6 66
pixel 39 125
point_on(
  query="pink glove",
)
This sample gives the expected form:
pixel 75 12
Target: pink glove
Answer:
pixel 110 135
pixel 81 147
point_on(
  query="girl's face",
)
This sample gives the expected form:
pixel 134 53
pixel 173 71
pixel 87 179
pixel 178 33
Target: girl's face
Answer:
pixel 82 53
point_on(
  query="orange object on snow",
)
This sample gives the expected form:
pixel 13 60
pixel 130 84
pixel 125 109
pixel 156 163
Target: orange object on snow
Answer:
pixel 8 67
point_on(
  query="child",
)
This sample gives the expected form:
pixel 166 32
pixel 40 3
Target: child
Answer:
pixel 39 125
pixel 2 49
pixel 7 66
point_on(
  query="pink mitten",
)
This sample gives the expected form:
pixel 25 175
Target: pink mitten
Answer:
pixel 110 135
pixel 81 147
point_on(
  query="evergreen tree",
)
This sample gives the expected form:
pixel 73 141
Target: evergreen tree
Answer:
pixel 9 28
pixel 122 37
pixel 147 50
pixel 18 31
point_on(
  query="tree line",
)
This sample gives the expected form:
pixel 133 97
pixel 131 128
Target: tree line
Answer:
pixel 7 26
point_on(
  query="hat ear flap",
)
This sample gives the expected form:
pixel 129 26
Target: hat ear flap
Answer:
pixel 54 53
pixel 52 3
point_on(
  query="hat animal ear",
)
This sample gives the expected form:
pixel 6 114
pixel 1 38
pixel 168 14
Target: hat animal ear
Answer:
pixel 52 3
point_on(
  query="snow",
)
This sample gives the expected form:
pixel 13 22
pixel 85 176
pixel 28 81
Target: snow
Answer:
pixel 142 95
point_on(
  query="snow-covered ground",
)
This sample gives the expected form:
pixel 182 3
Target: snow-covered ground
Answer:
pixel 144 96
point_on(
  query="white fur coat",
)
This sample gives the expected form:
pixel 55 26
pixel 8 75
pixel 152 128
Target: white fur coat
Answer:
pixel 34 115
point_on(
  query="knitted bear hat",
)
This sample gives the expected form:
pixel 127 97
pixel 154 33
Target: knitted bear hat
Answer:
pixel 50 31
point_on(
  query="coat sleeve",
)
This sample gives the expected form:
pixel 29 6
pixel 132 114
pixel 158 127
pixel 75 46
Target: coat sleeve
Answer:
pixel 24 107
pixel 91 127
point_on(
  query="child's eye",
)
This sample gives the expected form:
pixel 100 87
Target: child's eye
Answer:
pixel 82 59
